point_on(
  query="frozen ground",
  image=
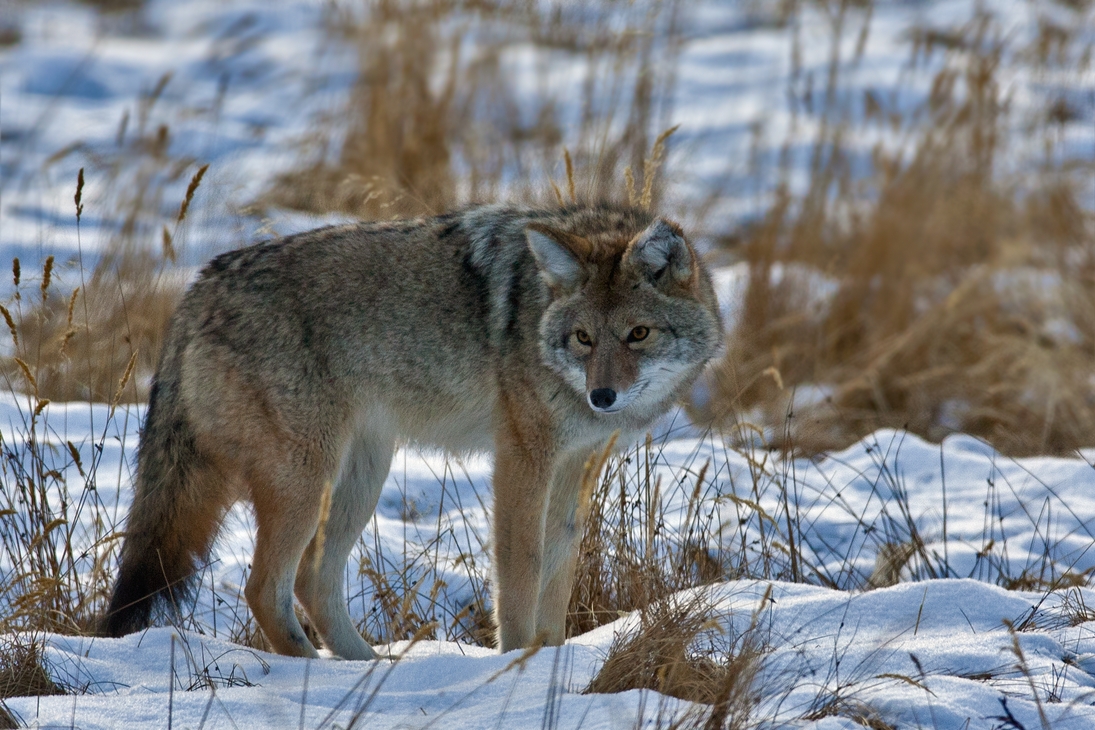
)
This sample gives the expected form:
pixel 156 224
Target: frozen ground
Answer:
pixel 932 653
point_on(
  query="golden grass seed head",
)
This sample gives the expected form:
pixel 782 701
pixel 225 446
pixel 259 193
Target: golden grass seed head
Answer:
pixel 47 274
pixel 168 246
pixel 558 194
pixel 28 375
pixel 11 325
pixel 78 198
pixel 629 179
pixel 123 382
pixel 570 175
pixel 651 165
pixel 190 190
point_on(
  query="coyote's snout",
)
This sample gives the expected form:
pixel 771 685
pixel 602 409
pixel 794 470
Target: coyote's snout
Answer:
pixel 302 362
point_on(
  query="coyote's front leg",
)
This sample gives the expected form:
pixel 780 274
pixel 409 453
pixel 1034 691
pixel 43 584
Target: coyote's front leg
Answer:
pixel 562 535
pixel 524 452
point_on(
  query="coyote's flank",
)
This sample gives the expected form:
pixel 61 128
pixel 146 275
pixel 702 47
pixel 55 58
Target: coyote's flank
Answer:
pixel 295 366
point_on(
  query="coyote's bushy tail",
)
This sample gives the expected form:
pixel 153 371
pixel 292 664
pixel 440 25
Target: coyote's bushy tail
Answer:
pixel 174 515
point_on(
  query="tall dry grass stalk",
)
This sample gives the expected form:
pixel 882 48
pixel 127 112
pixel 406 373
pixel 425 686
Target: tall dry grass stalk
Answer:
pixel 93 317
pixel 951 288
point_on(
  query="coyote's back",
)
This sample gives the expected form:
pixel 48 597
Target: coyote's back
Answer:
pixel 297 365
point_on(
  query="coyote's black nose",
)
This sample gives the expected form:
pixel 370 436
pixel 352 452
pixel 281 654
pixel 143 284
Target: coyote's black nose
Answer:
pixel 602 397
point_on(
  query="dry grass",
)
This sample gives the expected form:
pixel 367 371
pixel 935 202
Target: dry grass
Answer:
pixel 23 673
pixel 23 670
pixel 431 124
pixel 627 559
pixel 857 711
pixel 945 290
pixel 59 574
pixel 409 595
pixel 78 327
pixel 78 342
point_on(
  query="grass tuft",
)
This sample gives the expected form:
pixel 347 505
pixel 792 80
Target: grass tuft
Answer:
pixel 664 654
pixel 23 672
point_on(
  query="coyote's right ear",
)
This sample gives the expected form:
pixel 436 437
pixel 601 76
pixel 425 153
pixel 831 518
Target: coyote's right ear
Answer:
pixel 663 255
pixel 558 255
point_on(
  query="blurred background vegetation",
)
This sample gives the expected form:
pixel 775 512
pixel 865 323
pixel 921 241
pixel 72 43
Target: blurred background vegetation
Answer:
pixel 942 281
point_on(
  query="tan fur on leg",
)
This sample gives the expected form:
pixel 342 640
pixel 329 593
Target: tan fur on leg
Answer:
pixel 522 474
pixel 562 535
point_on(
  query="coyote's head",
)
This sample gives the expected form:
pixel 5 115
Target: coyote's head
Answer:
pixel 633 318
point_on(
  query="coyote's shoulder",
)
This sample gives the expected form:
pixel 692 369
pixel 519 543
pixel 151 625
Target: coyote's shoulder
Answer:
pixel 303 361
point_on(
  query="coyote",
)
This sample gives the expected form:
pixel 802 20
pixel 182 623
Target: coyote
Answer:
pixel 295 366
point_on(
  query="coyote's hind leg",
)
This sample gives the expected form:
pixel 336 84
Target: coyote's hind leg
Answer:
pixel 287 495
pixel 320 588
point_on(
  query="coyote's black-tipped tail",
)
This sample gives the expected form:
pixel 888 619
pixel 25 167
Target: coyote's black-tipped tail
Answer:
pixel 173 518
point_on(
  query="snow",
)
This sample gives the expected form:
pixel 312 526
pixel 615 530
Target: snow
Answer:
pixel 933 651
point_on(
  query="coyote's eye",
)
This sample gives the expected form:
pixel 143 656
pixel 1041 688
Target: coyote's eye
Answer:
pixel 583 338
pixel 638 334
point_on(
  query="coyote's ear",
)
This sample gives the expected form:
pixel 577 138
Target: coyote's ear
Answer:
pixel 662 254
pixel 558 255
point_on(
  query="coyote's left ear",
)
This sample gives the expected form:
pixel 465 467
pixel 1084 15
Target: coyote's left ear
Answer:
pixel 663 255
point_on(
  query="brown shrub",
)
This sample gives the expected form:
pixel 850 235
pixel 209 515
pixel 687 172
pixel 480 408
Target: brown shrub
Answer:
pixel 944 291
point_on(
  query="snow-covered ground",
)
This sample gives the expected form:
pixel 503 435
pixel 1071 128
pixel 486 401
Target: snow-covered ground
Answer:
pixel 245 83
pixel 932 653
